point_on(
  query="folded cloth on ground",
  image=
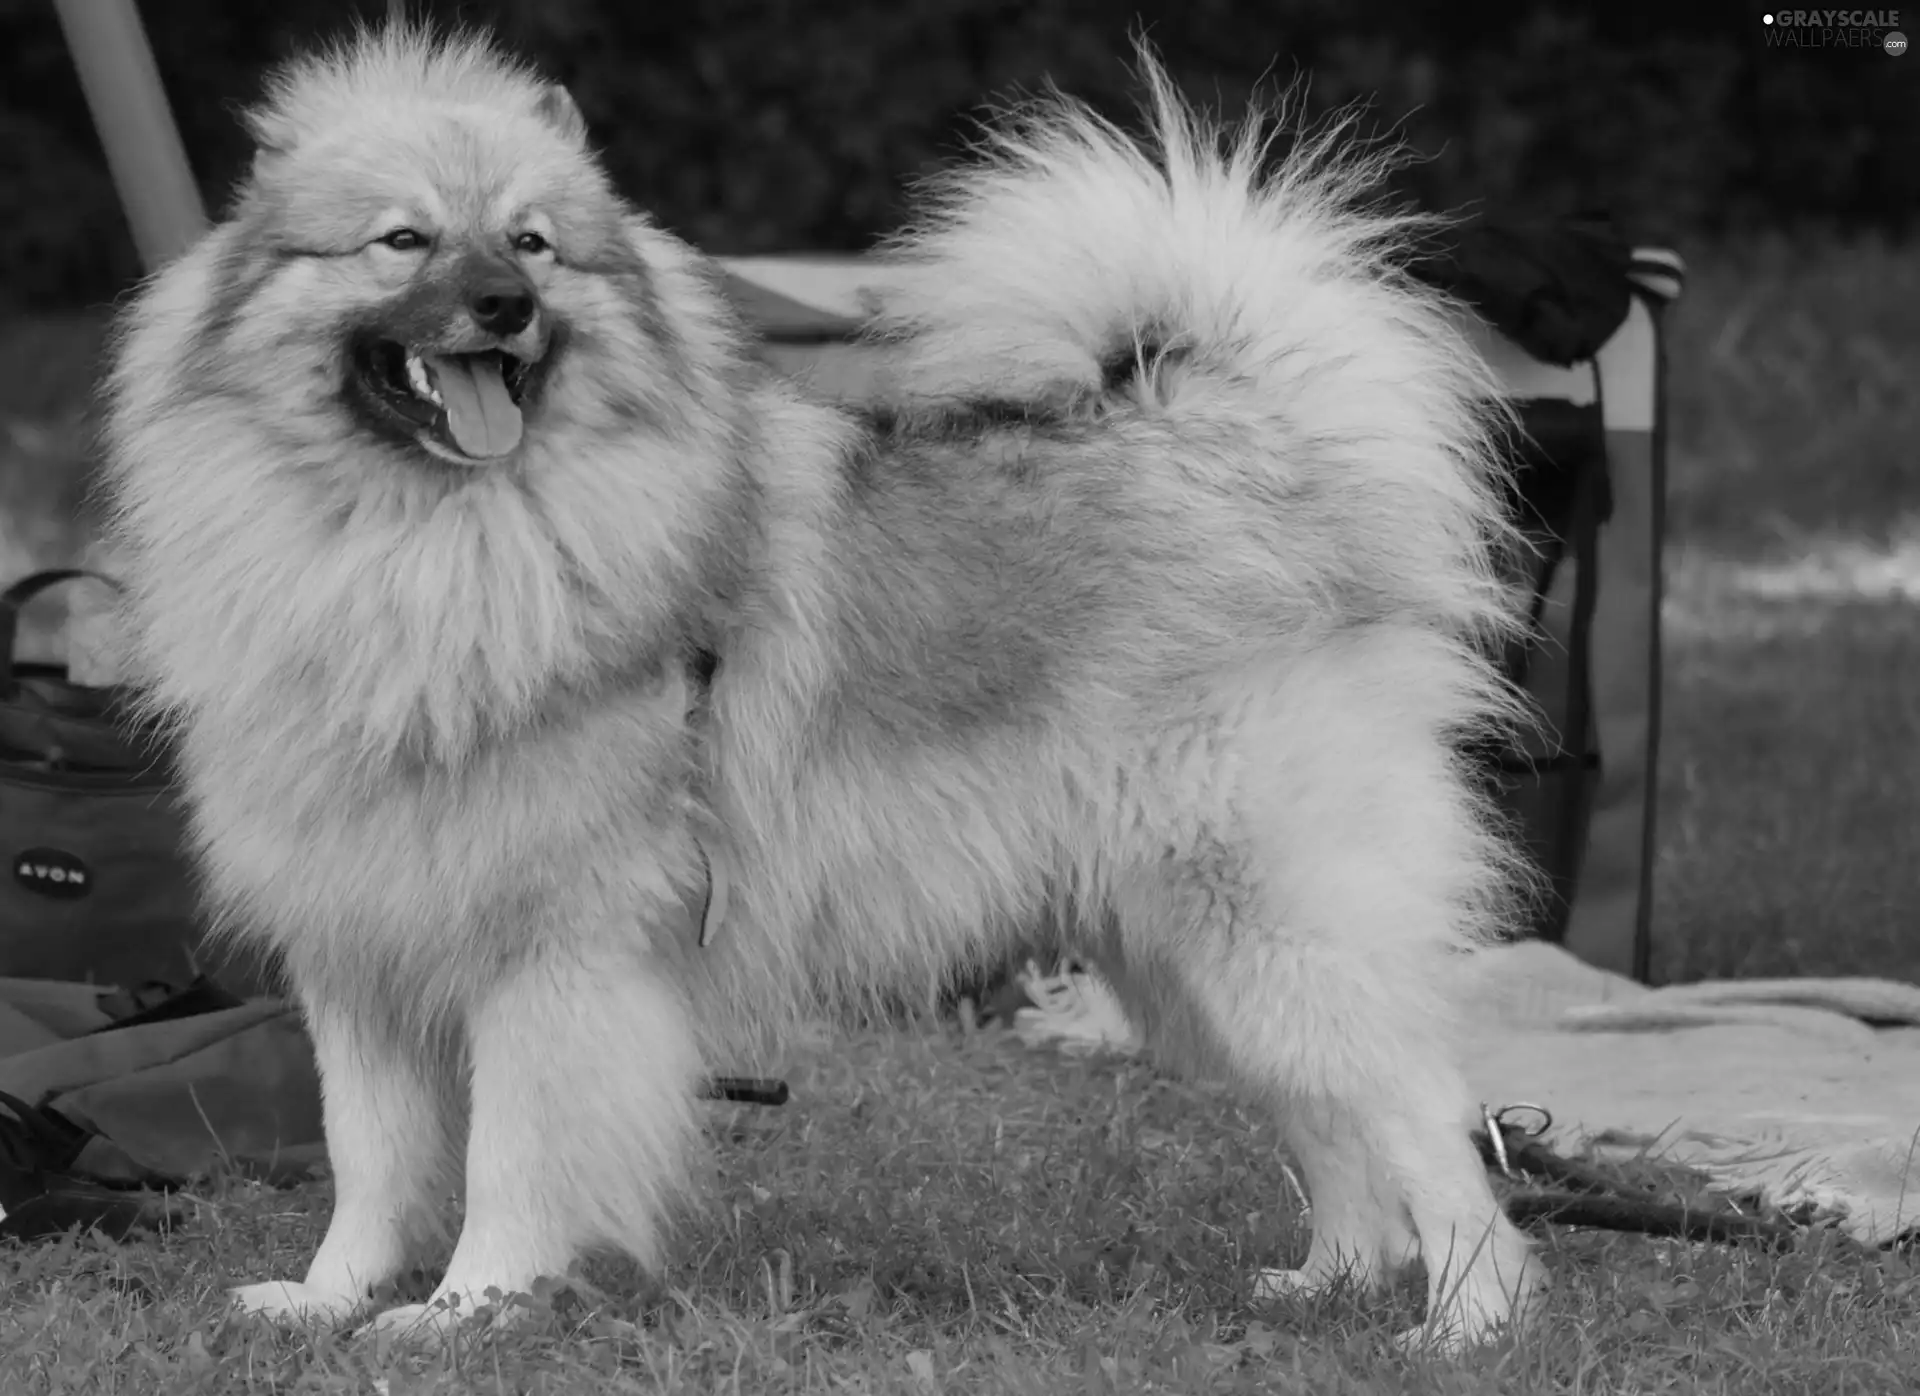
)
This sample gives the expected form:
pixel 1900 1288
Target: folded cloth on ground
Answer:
pixel 1802 1092
pixel 165 1099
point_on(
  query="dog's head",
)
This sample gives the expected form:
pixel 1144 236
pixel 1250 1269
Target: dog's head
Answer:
pixel 427 215
pixel 445 428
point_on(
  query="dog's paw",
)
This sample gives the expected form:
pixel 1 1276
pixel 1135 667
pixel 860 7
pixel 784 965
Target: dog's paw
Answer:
pixel 413 1322
pixel 439 1317
pixel 1272 1285
pixel 1471 1317
pixel 288 1302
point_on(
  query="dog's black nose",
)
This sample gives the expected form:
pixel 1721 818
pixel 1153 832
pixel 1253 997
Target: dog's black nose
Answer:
pixel 501 306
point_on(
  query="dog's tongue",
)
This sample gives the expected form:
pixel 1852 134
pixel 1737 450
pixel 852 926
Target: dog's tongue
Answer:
pixel 481 413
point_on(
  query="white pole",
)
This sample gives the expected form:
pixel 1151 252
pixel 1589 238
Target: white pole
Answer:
pixel 149 165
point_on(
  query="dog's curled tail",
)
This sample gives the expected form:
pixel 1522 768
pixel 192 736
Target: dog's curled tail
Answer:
pixel 1193 273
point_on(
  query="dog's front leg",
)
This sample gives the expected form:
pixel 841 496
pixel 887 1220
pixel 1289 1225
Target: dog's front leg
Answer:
pixel 584 1072
pixel 384 1105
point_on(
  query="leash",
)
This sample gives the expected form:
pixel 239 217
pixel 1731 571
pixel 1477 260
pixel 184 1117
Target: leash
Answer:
pixel 746 1090
pixel 1569 1193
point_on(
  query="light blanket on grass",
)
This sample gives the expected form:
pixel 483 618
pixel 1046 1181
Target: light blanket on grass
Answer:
pixel 1802 1092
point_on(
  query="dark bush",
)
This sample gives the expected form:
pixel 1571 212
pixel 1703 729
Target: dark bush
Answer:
pixel 754 125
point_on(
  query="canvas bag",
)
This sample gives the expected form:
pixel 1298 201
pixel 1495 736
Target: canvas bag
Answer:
pixel 1592 471
pixel 97 886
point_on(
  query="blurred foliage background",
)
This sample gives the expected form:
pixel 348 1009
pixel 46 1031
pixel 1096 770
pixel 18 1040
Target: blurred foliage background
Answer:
pixel 762 125
pixel 1786 177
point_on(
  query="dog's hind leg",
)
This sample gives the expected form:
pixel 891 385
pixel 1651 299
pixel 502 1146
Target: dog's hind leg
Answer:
pixel 584 1072
pixel 1371 1106
pixel 385 1106
pixel 1302 931
pixel 1362 1232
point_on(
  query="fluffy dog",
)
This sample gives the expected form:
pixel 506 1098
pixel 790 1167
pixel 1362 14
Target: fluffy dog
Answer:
pixel 510 616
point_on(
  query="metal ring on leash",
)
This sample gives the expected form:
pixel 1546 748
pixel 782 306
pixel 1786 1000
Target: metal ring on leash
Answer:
pixel 1496 1124
pixel 1546 1118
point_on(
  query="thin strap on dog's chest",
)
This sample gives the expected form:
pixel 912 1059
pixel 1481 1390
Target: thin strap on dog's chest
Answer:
pixel 702 664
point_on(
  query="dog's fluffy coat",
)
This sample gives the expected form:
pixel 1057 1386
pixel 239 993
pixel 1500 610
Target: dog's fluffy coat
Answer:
pixel 1155 595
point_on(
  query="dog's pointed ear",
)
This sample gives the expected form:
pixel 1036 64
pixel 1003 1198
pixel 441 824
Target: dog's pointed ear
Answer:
pixel 273 138
pixel 266 159
pixel 557 107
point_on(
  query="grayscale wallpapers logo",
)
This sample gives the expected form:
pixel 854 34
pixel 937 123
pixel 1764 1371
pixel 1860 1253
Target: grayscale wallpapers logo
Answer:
pixel 1859 29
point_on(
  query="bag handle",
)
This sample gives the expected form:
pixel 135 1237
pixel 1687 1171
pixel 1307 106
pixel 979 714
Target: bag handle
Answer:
pixel 18 595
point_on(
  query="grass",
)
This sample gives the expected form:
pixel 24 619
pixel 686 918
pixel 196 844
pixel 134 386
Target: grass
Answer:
pixel 1791 783
pixel 951 1212
pixel 1791 751
pixel 945 1211
pixel 1794 415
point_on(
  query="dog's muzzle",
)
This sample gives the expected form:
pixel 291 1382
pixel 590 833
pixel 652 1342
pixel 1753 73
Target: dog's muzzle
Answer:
pixel 466 406
pixel 454 365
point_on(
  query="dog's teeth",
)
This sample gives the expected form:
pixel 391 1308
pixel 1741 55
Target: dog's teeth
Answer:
pixel 418 380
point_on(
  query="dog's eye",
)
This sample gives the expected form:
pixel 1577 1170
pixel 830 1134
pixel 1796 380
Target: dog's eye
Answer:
pixel 531 243
pixel 404 240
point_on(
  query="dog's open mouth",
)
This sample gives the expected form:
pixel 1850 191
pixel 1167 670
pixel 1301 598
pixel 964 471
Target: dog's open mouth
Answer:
pixel 468 407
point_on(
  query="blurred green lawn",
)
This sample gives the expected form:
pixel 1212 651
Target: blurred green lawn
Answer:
pixel 1790 783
